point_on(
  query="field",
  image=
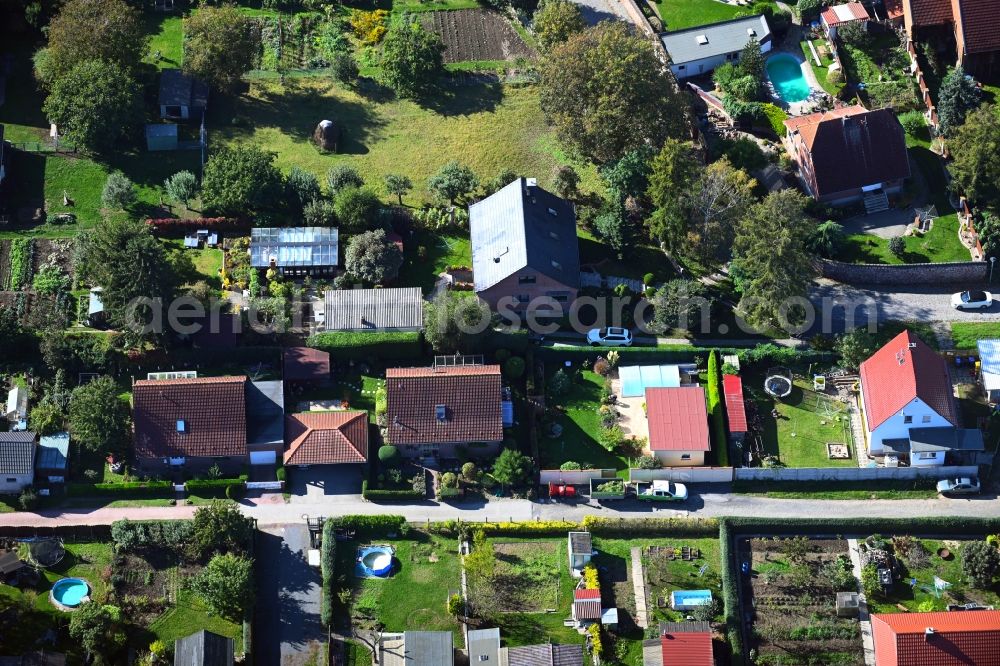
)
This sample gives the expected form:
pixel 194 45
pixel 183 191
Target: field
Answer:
pixel 795 622
pixel 680 14
pixel 580 424
pixel 490 127
pixel 415 596
pixel 806 422
pixel 476 35
pixel 914 588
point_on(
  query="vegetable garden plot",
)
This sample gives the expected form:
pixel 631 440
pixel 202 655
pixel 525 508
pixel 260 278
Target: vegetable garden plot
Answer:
pixel 477 34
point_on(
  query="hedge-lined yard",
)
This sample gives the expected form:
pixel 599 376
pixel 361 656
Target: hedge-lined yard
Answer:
pixel 389 345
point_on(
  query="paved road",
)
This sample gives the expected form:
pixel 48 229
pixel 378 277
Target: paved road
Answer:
pixel 288 598
pixel 836 304
pixel 705 501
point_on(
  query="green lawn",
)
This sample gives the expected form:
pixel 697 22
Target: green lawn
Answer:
pixel 189 615
pixel 429 254
pixel 415 596
pixel 821 71
pixel 166 38
pixel 490 127
pixel 680 14
pixel 966 334
pixel 207 261
pixel 961 591
pixel 807 421
pixel 580 425
pixel 345 387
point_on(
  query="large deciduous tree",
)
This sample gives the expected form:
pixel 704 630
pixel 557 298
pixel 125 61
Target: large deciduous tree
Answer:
pixel 411 60
pixel 976 157
pixel 227 585
pixel 220 527
pixel 84 30
pixel 356 208
pixel 241 180
pixel 673 171
pixel 556 21
pixel 719 198
pixel 452 181
pixel 371 258
pixel 958 95
pixel 455 323
pixel 607 93
pixel 218 46
pixel 123 257
pixel 770 247
pixel 95 627
pixel 94 104
pixel 98 418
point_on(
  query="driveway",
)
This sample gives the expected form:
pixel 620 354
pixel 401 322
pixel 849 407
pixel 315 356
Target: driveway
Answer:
pixel 314 483
pixel 838 305
pixel 595 11
pixel 287 624
pixel 886 224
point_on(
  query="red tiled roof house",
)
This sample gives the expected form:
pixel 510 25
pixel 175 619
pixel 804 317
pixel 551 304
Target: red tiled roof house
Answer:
pixel 937 639
pixel 432 410
pixel 680 644
pixel 197 423
pixel 972 24
pixel 678 425
pixel 904 386
pixel 326 438
pixel 845 154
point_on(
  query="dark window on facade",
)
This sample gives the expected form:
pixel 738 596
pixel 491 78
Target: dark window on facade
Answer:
pixel 526 279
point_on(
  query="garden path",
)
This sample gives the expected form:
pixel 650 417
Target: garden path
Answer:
pixel 639 585
pixel 864 618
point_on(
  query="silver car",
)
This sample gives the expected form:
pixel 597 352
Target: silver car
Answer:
pixel 961 486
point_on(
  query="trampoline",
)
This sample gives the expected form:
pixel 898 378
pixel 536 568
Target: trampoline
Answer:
pixel 779 382
pixel 637 378
pixel 374 561
pixel 46 553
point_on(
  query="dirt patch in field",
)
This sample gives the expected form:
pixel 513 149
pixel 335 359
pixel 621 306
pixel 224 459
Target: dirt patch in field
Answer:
pixel 53 253
pixel 477 34
pixel 527 576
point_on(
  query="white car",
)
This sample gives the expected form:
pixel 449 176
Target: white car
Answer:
pixel 962 486
pixel 609 337
pixel 664 491
pixel 972 300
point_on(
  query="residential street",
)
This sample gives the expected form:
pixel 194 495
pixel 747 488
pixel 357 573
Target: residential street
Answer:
pixel 705 501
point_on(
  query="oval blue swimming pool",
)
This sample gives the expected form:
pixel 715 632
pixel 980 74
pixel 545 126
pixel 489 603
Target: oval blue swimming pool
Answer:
pixel 785 73
pixel 70 592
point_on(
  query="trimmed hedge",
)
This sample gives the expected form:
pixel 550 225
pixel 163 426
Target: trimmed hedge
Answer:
pixel 373 525
pixel 147 489
pixel 379 495
pixel 384 346
pixel 716 412
pixel 215 488
pixel 762 353
pixel 328 571
pixel 176 226
pixel 730 592
pixel 597 525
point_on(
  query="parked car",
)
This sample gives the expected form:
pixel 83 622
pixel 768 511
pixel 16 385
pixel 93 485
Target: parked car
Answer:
pixel 962 486
pixel 609 337
pixel 664 491
pixel 972 300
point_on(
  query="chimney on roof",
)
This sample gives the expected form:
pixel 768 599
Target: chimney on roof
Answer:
pixel 929 633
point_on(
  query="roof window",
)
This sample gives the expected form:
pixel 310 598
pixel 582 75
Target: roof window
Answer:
pixel 441 413
pixel 702 39
pixel 181 425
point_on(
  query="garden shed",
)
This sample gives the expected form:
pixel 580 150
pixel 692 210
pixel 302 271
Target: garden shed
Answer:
pixel 52 461
pixel 581 549
pixel 161 136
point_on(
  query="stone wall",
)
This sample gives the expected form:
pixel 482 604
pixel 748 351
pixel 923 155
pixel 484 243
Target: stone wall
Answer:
pixel 964 272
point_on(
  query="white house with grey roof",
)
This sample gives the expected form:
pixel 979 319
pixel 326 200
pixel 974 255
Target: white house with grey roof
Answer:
pixel 373 310
pixel 17 461
pixel 524 247
pixel 700 50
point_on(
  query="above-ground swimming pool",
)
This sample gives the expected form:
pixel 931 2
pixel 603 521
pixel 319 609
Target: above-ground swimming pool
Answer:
pixel 785 73
pixel 69 593
pixel 689 599
pixel 374 561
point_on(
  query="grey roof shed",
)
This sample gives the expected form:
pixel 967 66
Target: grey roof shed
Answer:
pixel 397 309
pixel 523 226
pixel 484 647
pixel 178 89
pixel 53 452
pixel 203 649
pixel 17 452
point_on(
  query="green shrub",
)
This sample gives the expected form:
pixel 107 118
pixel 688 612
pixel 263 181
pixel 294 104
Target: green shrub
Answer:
pixel 716 412
pixel 148 489
pixel 328 571
pixel 215 488
pixel 570 466
pixel 776 118
pixel 22 252
pixel 379 495
pixel 377 525
pixel 914 123
pixel 388 454
pixel 385 346
pixel 281 474
pixel 513 367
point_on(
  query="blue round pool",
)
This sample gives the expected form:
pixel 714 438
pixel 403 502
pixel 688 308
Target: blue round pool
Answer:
pixel 70 592
pixel 785 73
pixel 375 561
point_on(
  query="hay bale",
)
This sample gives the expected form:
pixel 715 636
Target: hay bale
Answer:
pixel 327 135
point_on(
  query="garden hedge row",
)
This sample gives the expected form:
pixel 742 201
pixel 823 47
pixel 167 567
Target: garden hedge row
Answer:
pixel 762 353
pixel 373 525
pixel 597 525
pixel 148 489
pixel 216 488
pixel 720 438
pixel 328 571
pixel 379 495
pixel 384 346
pixel 730 592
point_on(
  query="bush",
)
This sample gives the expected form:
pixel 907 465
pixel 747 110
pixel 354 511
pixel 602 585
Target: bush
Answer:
pixel 570 466
pixel 559 384
pixel 388 454
pixel 376 525
pixel 980 562
pixel 776 118
pixel 353 346
pixel 28 499
pixel 215 488
pixel 281 474
pixel 513 368
pixel 835 76
pixel 328 571
pixel 129 535
pixel 716 411
pixel 914 123
pixel 455 605
pixel 147 489
pixel 897 246
pixel 379 495
pixel 449 480
pixel 647 462
pixel 469 471
pixel 648 279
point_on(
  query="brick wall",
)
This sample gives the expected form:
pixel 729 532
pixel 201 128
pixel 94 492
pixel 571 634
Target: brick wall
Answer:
pixel 964 272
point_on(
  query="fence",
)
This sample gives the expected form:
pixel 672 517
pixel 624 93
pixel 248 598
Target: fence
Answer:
pixel 575 477
pixel 925 92
pixel 40 147
pixel 960 272
pixel 265 485
pixel 847 474
pixel 682 474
